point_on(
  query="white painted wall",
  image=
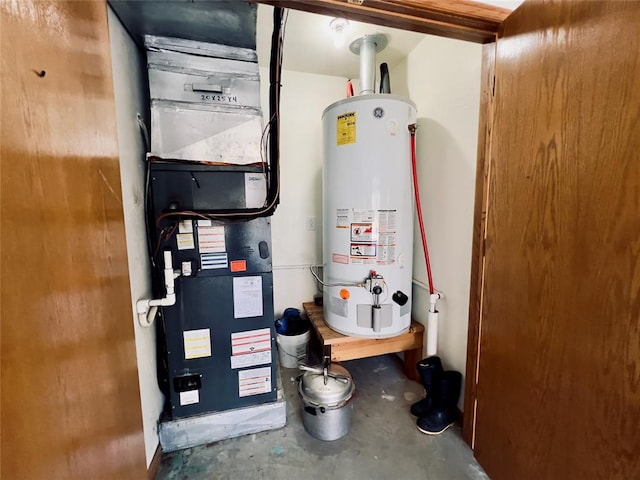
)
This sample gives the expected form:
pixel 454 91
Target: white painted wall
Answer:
pixel 442 76
pixel 129 80
pixel 295 247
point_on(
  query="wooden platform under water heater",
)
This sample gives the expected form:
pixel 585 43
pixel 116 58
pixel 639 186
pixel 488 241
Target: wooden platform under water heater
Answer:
pixel 349 348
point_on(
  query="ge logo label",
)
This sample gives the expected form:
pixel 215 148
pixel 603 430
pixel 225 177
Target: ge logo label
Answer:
pixel 378 112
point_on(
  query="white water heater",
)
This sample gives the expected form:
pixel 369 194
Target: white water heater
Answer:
pixel 368 214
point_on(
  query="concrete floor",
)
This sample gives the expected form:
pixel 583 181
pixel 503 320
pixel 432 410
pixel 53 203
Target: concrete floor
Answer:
pixel 383 441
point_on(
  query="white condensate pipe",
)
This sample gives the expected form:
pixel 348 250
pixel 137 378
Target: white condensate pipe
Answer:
pixel 432 316
pixel 432 325
pixel 148 307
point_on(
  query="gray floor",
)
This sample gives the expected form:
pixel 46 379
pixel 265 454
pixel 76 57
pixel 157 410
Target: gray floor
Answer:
pixel 383 442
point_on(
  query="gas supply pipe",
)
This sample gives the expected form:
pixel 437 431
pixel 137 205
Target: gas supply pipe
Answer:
pixel 147 308
pixel 432 317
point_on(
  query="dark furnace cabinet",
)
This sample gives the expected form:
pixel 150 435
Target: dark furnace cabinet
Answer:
pixel 219 338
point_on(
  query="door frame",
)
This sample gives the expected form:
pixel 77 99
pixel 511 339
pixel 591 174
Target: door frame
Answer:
pixel 476 290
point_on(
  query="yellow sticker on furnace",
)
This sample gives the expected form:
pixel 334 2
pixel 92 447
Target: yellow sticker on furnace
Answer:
pixel 346 132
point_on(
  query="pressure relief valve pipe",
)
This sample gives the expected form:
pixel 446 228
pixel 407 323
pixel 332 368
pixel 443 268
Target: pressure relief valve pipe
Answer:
pixel 147 308
pixel 432 325
pixel 432 315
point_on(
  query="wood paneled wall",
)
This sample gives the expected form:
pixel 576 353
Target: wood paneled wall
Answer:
pixel 70 398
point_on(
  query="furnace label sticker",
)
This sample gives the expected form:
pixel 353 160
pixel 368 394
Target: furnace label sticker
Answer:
pixel 190 397
pixel 250 360
pixel 185 226
pixel 251 348
pixel 247 297
pixel 185 241
pixel 254 381
pixel 211 239
pixel 197 343
pixel 343 217
pixel 251 341
pixel 346 129
pixel 211 261
pixel 255 190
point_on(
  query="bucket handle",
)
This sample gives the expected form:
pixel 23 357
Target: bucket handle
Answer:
pixel 323 371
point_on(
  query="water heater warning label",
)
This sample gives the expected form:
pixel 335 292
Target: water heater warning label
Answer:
pixel 346 129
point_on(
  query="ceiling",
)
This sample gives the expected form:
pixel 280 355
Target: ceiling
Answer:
pixel 309 45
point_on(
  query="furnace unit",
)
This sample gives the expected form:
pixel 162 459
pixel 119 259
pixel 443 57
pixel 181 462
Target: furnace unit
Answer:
pixel 220 351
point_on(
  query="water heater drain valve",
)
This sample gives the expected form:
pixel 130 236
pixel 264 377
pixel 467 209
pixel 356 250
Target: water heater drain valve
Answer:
pixel 375 284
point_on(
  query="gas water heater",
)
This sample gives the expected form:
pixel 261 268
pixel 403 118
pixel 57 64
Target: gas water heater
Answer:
pixel 368 207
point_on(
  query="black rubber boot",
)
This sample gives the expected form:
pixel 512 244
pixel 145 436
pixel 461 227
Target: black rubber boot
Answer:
pixel 444 411
pixel 429 369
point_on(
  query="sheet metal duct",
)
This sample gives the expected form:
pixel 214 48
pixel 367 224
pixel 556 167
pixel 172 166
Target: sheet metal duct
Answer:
pixel 225 22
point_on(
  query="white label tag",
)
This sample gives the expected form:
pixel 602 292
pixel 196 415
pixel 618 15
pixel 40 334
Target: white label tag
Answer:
pixel 190 397
pixel 185 226
pixel 185 241
pixel 251 359
pixel 251 341
pixel 255 190
pixel 247 297
pixel 197 343
pixel 254 381
pixel 211 239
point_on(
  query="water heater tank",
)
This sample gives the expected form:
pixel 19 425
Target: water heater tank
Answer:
pixel 368 215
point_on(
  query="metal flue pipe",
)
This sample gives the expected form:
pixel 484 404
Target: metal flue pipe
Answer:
pixel 367 47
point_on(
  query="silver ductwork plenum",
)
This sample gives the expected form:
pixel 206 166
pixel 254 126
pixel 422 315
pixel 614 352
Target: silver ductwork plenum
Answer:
pixel 367 47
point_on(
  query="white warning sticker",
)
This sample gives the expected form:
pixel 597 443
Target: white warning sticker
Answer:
pixel 364 216
pixel 254 381
pixel 211 239
pixel 387 220
pixel 255 190
pixel 343 217
pixel 250 359
pixel 251 341
pixel 185 226
pixel 362 232
pixel 387 226
pixel 197 343
pixel 247 297
pixel 185 241
pixel 190 397
pixel 363 250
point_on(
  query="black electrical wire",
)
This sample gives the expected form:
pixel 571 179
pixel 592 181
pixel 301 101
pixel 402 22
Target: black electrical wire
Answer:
pixel 275 73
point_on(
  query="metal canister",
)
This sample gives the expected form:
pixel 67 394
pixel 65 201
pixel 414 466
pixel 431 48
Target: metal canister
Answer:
pixel 326 395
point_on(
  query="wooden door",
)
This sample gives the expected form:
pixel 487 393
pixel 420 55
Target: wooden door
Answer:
pixel 70 397
pixel 558 393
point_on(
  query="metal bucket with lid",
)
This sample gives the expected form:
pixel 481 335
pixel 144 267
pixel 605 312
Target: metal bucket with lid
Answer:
pixel 326 394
